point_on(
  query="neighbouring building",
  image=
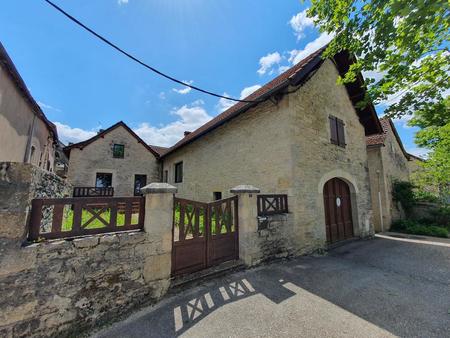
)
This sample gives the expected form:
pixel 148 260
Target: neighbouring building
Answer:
pixel 388 162
pixel 115 157
pixel 26 135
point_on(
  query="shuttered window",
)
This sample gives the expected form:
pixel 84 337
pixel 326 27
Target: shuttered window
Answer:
pixel 337 131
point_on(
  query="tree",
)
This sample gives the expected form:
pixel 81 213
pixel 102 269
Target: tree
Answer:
pixel 406 41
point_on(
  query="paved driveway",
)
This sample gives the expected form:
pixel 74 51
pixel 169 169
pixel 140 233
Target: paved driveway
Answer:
pixel 376 288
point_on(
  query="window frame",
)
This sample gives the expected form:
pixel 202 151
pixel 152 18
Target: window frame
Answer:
pixel 178 174
pixel 135 191
pixel 337 131
pixel 103 173
pixel 114 150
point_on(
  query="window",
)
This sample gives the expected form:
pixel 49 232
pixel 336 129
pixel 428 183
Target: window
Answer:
pixel 139 182
pixel 217 195
pixel 103 180
pixel 166 176
pixel 337 131
pixel 179 172
pixel 118 151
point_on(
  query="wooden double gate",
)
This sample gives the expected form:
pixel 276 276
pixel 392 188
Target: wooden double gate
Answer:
pixel 204 234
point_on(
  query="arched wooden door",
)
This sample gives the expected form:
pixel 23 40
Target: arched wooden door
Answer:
pixel 338 210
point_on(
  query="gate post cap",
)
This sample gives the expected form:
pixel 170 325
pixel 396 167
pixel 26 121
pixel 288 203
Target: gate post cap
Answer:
pixel 244 188
pixel 159 188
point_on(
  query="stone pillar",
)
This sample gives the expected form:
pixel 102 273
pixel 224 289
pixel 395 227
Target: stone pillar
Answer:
pixel 248 222
pixel 158 225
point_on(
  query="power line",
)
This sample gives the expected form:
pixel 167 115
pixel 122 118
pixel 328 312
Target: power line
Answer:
pixel 59 9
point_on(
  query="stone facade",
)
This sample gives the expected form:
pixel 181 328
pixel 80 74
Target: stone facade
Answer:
pixel 387 163
pixel 285 148
pixel 97 157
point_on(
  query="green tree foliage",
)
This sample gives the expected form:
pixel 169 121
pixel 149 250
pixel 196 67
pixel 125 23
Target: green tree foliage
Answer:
pixel 404 40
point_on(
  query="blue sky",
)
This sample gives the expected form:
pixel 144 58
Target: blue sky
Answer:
pixel 226 46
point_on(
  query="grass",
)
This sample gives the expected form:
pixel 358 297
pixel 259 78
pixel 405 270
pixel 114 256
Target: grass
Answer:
pixel 67 222
pixel 418 228
pixel 201 221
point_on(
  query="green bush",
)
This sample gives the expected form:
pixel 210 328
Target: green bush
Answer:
pixel 403 192
pixel 417 228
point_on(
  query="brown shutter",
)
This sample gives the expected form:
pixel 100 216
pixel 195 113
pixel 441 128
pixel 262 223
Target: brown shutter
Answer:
pixel 333 130
pixel 340 132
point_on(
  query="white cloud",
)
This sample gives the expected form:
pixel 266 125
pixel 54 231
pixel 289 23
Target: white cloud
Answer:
pixel 419 152
pixel 68 134
pixel 162 96
pixel 297 55
pixel 249 90
pixel 47 106
pixel 122 2
pixel 224 104
pixel 190 118
pixel 282 69
pixel 300 22
pixel 268 61
pixel 185 89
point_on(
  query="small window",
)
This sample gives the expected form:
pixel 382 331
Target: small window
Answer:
pixel 337 131
pixel 139 182
pixel 179 172
pixel 166 176
pixel 103 180
pixel 217 195
pixel 118 151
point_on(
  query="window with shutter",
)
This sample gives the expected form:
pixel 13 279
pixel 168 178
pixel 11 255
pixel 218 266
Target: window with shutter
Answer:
pixel 337 132
pixel 340 132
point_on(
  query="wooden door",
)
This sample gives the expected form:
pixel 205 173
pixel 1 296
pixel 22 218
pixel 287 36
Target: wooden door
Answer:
pixel 338 210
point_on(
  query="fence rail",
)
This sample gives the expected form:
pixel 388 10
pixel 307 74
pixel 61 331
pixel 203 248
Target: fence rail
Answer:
pixel 71 217
pixel 93 191
pixel 272 204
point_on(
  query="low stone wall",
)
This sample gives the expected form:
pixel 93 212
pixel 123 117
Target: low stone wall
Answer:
pixel 273 237
pixel 424 210
pixel 64 287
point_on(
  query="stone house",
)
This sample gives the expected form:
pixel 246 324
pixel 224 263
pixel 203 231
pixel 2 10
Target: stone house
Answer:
pixel 302 136
pixel 388 161
pixel 26 135
pixel 115 157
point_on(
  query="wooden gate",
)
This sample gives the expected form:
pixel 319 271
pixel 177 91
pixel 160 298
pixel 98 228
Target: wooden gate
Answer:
pixel 204 234
pixel 338 210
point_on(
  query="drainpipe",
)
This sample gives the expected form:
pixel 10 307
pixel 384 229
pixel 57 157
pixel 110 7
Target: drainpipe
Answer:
pixel 379 201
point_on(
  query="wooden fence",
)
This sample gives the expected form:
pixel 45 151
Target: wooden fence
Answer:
pixel 272 204
pixel 71 217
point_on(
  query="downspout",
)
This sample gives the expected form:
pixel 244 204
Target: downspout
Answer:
pixel 379 201
pixel 26 157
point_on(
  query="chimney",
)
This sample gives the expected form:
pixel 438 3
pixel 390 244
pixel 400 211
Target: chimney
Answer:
pixel 100 131
pixel 186 133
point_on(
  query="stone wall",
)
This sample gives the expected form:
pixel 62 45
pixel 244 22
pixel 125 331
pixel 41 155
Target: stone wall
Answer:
pixel 285 148
pixel 19 184
pixel 63 287
pixel 97 157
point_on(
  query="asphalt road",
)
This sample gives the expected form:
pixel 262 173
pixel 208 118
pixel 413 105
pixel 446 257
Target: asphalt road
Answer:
pixel 375 288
